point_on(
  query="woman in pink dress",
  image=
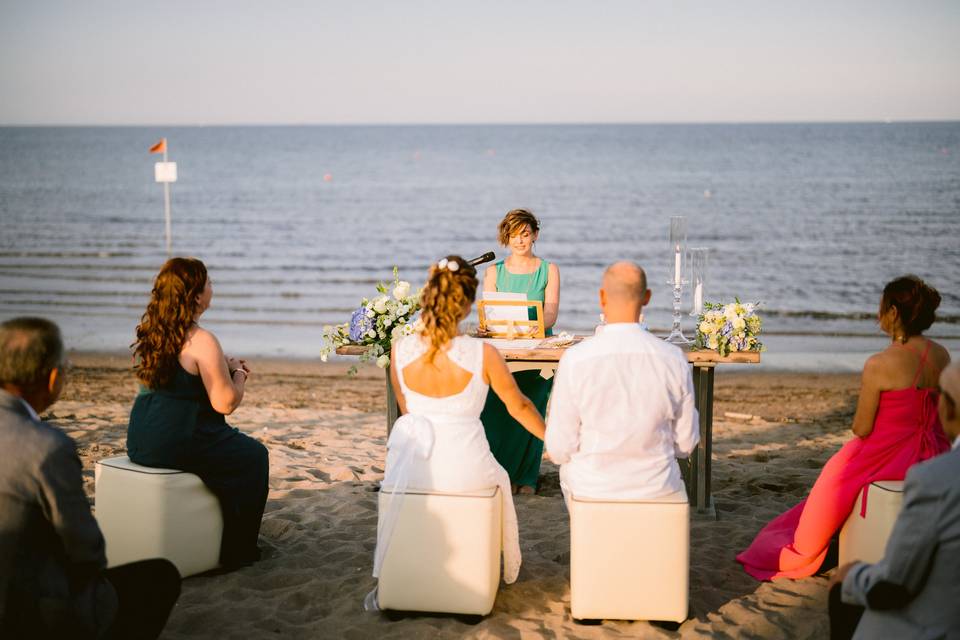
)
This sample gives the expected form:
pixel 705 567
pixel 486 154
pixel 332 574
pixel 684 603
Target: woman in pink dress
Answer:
pixel 896 425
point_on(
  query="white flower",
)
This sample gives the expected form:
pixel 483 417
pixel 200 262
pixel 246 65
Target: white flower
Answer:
pixel 323 356
pixel 730 311
pixel 387 322
pixel 371 333
pixel 453 265
pixel 370 313
pixel 383 361
pixel 380 304
pixel 739 324
pixel 442 264
pixel 402 290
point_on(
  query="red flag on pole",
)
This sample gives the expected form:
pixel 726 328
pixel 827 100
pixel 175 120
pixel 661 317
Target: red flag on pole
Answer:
pixel 160 147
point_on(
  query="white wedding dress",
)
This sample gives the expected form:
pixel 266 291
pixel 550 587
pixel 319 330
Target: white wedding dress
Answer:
pixel 440 445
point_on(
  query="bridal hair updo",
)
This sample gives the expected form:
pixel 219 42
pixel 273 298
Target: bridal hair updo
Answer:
pixel 916 303
pixel 163 327
pixel 514 222
pixel 451 288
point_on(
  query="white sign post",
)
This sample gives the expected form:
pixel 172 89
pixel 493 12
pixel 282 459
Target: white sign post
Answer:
pixel 166 172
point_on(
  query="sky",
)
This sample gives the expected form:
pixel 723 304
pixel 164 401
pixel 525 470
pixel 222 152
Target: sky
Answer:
pixel 210 62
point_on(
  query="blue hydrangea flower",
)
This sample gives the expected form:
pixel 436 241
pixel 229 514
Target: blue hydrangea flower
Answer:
pixel 360 324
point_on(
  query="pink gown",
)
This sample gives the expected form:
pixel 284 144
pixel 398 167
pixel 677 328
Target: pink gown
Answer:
pixel 906 430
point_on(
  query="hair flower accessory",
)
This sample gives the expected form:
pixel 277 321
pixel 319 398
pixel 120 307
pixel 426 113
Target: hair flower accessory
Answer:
pixel 449 265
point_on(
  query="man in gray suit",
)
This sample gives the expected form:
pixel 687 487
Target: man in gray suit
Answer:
pixel 53 577
pixel 914 591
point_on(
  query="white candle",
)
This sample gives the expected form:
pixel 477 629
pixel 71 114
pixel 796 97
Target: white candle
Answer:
pixel 698 298
pixel 676 268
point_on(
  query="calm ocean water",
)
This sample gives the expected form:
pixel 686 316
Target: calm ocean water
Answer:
pixel 810 219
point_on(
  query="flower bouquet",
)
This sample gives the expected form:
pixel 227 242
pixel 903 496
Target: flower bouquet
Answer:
pixel 376 323
pixel 729 327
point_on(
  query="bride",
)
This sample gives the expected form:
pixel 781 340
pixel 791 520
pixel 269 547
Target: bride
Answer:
pixel 441 379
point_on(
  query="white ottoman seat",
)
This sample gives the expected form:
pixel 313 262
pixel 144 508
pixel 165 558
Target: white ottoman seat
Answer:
pixel 147 512
pixel 444 554
pixel 630 560
pixel 864 535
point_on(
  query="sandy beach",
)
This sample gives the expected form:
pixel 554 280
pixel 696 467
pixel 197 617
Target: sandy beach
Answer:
pixel 326 435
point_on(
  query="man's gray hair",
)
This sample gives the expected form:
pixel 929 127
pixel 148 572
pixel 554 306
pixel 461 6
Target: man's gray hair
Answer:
pixel 30 348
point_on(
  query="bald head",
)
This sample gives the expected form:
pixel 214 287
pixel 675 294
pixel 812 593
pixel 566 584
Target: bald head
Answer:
pixel 949 399
pixel 624 292
pixel 624 281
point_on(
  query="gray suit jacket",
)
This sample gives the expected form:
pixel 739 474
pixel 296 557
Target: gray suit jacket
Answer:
pixel 51 549
pixel 914 591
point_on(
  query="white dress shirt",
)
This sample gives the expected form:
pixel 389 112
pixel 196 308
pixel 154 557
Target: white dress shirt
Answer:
pixel 621 412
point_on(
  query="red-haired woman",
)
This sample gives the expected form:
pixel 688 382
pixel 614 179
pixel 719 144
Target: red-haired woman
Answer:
pixel 187 387
pixel 896 425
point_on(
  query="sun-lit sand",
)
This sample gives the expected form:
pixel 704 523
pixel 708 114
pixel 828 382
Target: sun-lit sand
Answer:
pixel 326 435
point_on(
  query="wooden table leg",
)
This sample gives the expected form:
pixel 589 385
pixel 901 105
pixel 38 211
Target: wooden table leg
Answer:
pixel 393 409
pixel 698 487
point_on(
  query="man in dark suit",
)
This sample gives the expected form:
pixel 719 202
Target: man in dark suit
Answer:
pixel 914 590
pixel 53 577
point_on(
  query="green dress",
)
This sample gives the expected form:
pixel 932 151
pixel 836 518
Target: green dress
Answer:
pixel 515 448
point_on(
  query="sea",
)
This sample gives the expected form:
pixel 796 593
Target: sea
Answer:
pixel 297 224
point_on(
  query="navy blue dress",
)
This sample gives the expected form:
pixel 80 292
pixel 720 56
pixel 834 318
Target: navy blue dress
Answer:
pixel 176 427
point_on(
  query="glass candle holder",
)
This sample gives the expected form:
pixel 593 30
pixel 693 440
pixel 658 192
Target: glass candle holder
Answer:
pixel 678 246
pixel 698 278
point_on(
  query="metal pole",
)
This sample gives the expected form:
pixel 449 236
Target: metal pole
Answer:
pixel 166 208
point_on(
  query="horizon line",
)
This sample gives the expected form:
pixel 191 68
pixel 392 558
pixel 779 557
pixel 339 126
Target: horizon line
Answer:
pixel 582 123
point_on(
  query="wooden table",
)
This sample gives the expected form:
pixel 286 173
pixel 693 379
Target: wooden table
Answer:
pixel 697 473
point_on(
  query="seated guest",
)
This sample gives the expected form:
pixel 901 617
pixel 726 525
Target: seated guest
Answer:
pixel 622 408
pixel 895 425
pixel 187 386
pixel 914 590
pixel 521 272
pixel 441 379
pixel 53 577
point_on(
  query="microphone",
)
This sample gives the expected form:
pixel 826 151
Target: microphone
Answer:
pixel 487 257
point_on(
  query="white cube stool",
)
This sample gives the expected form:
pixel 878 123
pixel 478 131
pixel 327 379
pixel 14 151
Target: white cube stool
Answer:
pixel 864 537
pixel 444 555
pixel 146 512
pixel 630 560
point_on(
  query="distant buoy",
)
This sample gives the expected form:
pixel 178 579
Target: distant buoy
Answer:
pixel 328 177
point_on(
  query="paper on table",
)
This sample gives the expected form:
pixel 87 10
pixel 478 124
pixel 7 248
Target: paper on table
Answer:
pixel 519 343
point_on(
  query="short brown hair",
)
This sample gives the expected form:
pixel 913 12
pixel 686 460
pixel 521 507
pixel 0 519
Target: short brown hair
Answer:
pixel 30 348
pixel 916 303
pixel 514 222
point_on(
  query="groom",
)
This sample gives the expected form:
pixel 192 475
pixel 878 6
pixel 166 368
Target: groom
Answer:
pixel 622 409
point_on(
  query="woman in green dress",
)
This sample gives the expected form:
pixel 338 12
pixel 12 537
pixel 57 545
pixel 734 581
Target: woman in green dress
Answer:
pixel 515 448
pixel 188 386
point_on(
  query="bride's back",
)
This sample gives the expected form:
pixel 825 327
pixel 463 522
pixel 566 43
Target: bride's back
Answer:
pixel 438 378
pixel 451 382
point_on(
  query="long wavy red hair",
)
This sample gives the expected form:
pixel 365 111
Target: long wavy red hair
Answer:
pixel 163 327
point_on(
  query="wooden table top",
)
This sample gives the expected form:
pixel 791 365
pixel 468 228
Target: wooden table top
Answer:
pixel 702 357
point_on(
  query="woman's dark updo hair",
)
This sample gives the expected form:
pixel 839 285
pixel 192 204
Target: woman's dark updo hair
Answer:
pixel 916 303
pixel 443 299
